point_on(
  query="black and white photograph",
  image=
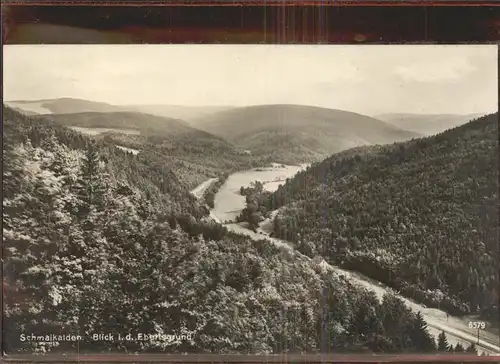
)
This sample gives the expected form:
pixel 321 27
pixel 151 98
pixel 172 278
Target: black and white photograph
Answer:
pixel 250 199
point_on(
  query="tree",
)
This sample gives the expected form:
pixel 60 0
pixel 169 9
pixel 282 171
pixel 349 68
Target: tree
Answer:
pixel 420 336
pixel 472 349
pixel 91 185
pixel 364 324
pixel 396 319
pixel 443 344
pixel 459 348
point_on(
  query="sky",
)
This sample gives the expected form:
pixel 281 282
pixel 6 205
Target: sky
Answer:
pixel 368 79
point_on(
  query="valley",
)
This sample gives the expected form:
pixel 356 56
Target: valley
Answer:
pixel 250 199
pixel 139 251
pixel 229 203
pixel 174 143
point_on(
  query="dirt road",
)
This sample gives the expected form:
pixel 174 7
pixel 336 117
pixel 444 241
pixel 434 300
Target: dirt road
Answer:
pixel 457 329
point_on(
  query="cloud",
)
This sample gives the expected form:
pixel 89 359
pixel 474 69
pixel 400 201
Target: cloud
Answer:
pixel 395 78
pixel 436 71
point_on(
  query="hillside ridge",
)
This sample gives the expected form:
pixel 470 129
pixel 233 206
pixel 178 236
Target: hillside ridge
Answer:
pixel 383 208
pixel 298 133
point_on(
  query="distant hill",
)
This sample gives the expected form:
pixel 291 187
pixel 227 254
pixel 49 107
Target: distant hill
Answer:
pixel 427 124
pixel 194 155
pixel 187 113
pixel 420 216
pixel 63 106
pixel 296 133
pixel 72 105
pixel 25 111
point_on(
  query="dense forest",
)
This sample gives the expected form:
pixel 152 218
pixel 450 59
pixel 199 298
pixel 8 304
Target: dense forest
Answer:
pixel 99 241
pixel 256 209
pixel 211 191
pixel 420 216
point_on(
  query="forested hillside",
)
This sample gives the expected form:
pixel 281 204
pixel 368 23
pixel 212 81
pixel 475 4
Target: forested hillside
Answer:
pixel 194 155
pixel 99 241
pixel 421 216
pixel 157 181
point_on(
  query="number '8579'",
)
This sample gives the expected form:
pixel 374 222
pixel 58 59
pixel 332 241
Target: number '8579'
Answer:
pixel 477 325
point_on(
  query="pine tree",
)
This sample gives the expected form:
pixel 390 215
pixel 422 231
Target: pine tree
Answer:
pixel 364 325
pixel 443 344
pixel 92 184
pixel 395 319
pixel 50 143
pixel 421 338
pixel 459 348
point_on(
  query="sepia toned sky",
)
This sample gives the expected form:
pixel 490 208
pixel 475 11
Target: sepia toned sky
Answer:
pixel 368 79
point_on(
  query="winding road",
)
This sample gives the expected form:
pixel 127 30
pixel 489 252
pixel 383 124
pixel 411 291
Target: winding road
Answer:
pixel 200 190
pixel 457 329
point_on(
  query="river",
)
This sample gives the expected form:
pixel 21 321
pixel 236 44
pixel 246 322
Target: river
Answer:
pixel 229 203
